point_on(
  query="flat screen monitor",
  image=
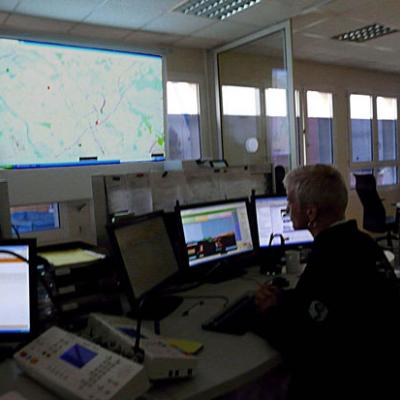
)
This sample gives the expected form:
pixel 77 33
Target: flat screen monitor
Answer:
pixel 274 226
pixel 145 252
pixel 17 289
pixel 215 231
pixel 68 105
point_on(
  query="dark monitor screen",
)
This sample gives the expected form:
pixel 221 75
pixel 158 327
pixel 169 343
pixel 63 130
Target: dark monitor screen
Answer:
pixel 17 289
pixel 216 230
pixel 145 251
pixel 274 223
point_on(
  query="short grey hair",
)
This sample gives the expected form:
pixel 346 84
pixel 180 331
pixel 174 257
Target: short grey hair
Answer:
pixel 320 185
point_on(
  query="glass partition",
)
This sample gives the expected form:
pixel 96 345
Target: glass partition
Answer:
pixel 255 93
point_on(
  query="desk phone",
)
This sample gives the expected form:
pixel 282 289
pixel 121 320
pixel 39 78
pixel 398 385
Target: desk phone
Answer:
pixel 78 369
pixel 161 361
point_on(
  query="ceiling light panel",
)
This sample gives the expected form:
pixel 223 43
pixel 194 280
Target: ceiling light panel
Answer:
pixel 215 9
pixel 365 33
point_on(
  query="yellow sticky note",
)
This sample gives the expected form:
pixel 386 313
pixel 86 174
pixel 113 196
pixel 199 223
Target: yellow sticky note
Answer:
pixel 186 346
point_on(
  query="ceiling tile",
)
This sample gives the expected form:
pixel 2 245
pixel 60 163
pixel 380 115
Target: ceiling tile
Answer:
pixel 263 14
pixel 335 26
pixel 139 37
pixel 226 30
pixel 303 22
pixel 27 23
pixel 199 43
pixel 8 5
pixel 97 31
pixel 385 12
pixel 130 13
pixel 75 10
pixel 344 6
pixel 177 22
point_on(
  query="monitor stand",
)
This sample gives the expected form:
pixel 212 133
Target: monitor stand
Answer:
pixel 223 272
pixel 157 307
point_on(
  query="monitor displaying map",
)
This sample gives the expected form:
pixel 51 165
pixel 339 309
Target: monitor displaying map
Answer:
pixel 66 105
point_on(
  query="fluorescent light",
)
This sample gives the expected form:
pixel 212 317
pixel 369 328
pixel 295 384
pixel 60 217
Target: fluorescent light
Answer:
pixel 365 33
pixel 219 9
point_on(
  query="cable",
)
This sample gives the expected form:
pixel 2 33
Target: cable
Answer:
pixel 187 311
pixel 12 253
pixel 14 228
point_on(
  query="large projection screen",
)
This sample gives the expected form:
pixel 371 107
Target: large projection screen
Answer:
pixel 63 105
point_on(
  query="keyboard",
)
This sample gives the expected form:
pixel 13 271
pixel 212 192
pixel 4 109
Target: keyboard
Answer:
pixel 235 318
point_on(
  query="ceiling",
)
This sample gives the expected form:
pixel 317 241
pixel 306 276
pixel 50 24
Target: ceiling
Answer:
pixel 155 24
pixel 312 34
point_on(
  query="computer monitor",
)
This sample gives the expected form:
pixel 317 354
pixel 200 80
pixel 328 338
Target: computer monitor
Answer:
pixel 274 226
pixel 215 231
pixel 18 291
pixel 144 250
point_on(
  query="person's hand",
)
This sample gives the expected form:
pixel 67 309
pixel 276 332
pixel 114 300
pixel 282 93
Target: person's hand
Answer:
pixel 266 297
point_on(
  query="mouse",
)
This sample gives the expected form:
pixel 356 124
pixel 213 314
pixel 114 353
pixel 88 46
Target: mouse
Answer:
pixel 280 282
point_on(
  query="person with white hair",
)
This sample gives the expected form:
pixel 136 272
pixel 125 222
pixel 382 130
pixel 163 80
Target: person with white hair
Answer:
pixel 337 330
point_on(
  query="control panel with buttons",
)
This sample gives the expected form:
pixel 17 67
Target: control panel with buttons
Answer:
pixel 78 369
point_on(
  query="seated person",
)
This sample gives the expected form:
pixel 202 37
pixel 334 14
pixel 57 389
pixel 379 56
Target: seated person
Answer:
pixel 336 330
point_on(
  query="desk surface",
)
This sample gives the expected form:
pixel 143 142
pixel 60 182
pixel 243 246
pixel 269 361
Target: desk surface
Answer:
pixel 226 362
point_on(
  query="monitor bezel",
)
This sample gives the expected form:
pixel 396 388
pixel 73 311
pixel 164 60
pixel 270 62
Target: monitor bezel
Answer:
pixel 133 298
pixel 233 259
pixel 298 245
pixel 22 337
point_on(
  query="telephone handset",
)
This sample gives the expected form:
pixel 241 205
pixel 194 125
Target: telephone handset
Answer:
pixel 77 369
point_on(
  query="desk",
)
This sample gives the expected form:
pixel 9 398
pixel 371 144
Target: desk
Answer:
pixel 226 362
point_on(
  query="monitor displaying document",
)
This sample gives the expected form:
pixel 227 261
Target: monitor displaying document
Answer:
pixel 17 289
pixel 274 226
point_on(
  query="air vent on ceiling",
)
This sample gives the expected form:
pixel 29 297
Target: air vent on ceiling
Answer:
pixel 219 9
pixel 365 33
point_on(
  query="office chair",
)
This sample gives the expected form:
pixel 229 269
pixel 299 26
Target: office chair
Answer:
pixel 279 172
pixel 374 214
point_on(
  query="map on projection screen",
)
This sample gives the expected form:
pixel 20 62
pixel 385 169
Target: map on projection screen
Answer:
pixel 65 105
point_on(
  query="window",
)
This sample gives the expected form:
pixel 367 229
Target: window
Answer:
pixel 361 127
pixel 319 128
pixel 373 123
pixel 240 100
pixel 34 218
pixel 386 109
pixel 314 126
pixel 277 125
pixel 183 120
pixel 241 123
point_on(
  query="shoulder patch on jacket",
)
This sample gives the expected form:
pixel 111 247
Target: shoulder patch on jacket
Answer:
pixel 318 311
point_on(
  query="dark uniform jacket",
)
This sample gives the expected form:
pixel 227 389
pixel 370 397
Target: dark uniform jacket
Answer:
pixel 338 330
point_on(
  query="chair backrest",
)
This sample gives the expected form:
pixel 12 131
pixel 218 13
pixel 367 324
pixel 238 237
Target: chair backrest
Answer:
pixel 279 172
pixel 374 216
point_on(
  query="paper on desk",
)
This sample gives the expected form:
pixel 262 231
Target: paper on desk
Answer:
pixel 12 396
pixel 186 346
pixel 60 258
